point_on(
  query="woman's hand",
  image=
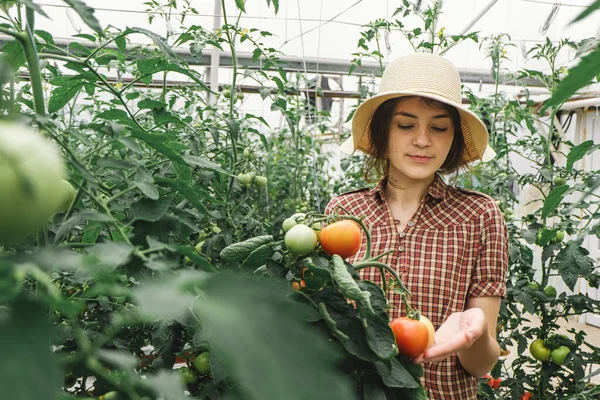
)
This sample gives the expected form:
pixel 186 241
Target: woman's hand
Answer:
pixel 457 333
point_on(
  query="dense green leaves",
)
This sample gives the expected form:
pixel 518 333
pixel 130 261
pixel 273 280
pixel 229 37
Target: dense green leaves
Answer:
pixel 29 370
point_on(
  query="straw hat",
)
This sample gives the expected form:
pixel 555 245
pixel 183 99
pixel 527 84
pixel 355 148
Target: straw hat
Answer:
pixel 425 75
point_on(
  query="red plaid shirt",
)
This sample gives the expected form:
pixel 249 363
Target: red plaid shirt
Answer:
pixel 455 247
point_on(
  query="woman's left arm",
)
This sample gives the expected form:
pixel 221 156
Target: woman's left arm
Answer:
pixel 482 355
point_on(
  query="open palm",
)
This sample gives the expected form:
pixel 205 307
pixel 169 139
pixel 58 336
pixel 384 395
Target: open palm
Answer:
pixel 457 333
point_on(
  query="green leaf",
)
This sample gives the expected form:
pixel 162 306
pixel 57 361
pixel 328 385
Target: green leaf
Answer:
pixel 234 127
pixel 28 370
pixel 159 143
pixel 121 43
pixel 573 261
pixel 578 152
pixel 167 298
pixel 240 4
pixel 588 11
pixel 145 182
pixel 33 6
pixel 578 77
pixel 46 36
pixel 112 254
pixel 372 389
pixel 259 360
pixel 118 358
pixel 78 219
pixel 159 40
pixel 554 199
pixel 196 258
pixel 349 287
pixel 168 384
pixel 162 116
pixel 87 15
pixel 239 251
pixel 204 163
pixel 191 193
pixel 150 210
pixel 394 375
pixel 114 114
pixel 61 96
pixel 346 320
pixel 258 257
pixel 151 104
pixel 14 54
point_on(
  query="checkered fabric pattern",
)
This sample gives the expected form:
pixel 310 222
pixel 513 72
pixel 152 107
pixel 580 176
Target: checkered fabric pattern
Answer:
pixel 455 247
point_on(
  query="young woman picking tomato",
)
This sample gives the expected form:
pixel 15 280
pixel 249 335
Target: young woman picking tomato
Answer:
pixel 451 246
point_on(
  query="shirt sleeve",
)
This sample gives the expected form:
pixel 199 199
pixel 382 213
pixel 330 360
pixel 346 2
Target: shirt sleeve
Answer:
pixel 489 275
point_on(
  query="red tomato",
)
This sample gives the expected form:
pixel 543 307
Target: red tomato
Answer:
pixel 493 383
pixel 342 238
pixel 526 396
pixel 412 336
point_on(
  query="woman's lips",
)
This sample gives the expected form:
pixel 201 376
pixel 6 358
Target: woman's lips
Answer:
pixel 420 159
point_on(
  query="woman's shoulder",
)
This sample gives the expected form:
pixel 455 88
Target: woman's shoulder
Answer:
pixel 354 199
pixel 476 201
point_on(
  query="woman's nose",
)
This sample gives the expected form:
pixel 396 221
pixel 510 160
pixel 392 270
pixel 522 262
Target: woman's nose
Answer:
pixel 422 137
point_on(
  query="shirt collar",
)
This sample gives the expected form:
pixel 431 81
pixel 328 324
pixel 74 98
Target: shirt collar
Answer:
pixel 437 189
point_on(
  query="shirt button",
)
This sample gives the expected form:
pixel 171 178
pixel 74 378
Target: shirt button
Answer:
pixel 410 223
pixel 401 248
pixel 402 234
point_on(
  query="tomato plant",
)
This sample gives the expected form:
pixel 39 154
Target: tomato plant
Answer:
pixel 342 238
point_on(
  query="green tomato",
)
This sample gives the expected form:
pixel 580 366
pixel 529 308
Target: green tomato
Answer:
pixel 560 236
pixel 249 154
pixel 260 181
pixel 187 376
pixel 539 351
pixel 559 181
pixel 227 93
pixel 533 285
pixel 550 292
pixel 31 170
pixel 240 96
pixel 202 363
pixel 288 223
pixel 300 240
pixel 538 238
pixel 111 396
pixel 559 355
pixel 68 195
pixel 244 179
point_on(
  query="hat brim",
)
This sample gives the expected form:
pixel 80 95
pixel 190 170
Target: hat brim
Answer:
pixel 474 130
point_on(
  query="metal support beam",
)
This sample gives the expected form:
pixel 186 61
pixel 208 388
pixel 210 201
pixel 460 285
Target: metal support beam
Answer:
pixel 215 57
pixel 478 17
pixel 296 64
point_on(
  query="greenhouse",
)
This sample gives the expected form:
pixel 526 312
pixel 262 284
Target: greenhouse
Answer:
pixel 279 199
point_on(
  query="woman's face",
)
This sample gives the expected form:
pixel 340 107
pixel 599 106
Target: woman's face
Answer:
pixel 419 141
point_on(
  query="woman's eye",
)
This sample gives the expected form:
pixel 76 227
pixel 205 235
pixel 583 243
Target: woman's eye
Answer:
pixel 405 127
pixel 439 129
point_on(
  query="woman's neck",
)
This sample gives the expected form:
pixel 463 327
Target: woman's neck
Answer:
pixel 405 192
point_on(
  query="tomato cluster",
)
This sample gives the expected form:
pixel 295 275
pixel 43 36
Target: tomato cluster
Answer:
pixel 342 237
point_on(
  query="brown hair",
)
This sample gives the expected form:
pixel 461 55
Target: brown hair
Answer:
pixel 377 165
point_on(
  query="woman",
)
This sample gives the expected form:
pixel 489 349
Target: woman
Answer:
pixel 451 244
